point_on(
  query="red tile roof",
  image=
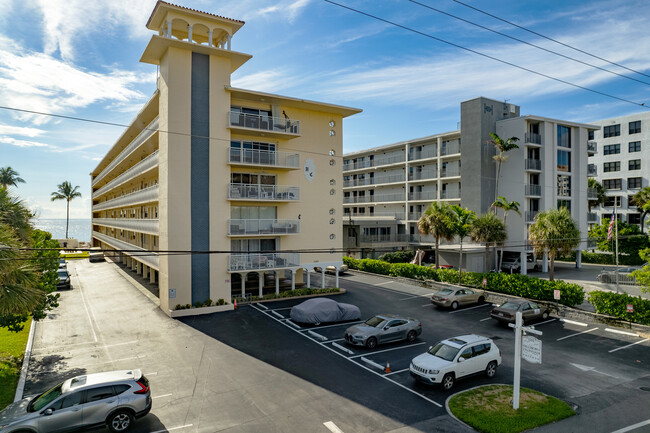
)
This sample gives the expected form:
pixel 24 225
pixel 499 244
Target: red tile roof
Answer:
pixel 196 10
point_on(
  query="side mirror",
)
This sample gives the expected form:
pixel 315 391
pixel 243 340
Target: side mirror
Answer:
pixel 461 359
pixel 386 327
pixel 48 411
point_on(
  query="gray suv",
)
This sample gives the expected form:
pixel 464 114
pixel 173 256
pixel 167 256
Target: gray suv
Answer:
pixel 114 399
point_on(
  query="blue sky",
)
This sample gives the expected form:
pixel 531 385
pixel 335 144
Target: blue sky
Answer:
pixel 80 58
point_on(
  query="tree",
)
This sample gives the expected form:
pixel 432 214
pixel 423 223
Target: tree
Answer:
pixel 630 239
pixel 435 222
pixel 554 232
pixel 66 192
pixel 600 191
pixel 9 177
pixel 489 229
pixel 642 275
pixel 502 146
pixel 642 201
pixel 460 223
pixel 507 206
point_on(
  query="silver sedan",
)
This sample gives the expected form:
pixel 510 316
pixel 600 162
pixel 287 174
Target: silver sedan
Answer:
pixel 383 328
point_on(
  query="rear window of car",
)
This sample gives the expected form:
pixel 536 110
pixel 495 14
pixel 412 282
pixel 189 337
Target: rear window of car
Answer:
pixel 510 306
pixel 119 389
pixel 481 349
pixel 445 292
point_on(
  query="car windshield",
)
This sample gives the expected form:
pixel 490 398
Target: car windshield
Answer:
pixel 510 306
pixel 444 351
pixel 63 273
pixel 445 292
pixel 46 398
pixel 374 321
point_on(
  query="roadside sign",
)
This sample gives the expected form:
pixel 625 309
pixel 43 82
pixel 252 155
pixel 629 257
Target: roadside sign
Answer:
pixel 531 349
pixel 556 294
pixel 484 281
pixel 630 308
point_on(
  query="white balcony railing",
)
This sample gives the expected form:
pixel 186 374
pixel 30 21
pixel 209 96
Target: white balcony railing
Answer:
pixel 244 191
pixel 264 261
pixel 592 147
pixel 245 227
pixel 149 258
pixel 149 163
pixel 356 165
pixel 385 160
pixel 533 164
pixel 358 182
pixel 423 195
pixel 143 136
pixel 377 215
pixel 389 178
pixel 428 153
pixel 592 194
pixel 450 194
pixel 450 172
pixel 145 195
pixel 263 157
pixel 424 174
pixel 533 138
pixel 140 225
pixel 389 197
pixel 450 149
pixel 532 189
pixel 264 123
pixel 374 239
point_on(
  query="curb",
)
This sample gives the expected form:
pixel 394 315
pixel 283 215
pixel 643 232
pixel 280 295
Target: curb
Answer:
pixel 23 370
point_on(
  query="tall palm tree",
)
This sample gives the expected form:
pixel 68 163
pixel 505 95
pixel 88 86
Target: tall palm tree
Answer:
pixel 15 214
pixel 600 191
pixel 66 192
pixel 554 232
pixel 507 206
pixel 461 224
pixel 502 146
pixel 9 177
pixel 642 202
pixel 435 222
pixel 489 229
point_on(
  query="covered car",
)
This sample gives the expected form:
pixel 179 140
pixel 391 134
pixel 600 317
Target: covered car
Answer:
pixel 323 310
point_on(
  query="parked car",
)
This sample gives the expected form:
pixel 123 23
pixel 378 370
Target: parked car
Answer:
pixel 114 399
pixel 62 264
pixel 64 281
pixel 332 269
pixel 624 274
pixel 456 297
pixel 324 310
pixel 96 255
pixel 456 357
pixel 530 311
pixel 383 328
pixel 512 263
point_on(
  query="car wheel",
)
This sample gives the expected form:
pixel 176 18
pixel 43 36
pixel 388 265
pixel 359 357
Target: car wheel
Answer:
pixel 120 421
pixel 545 315
pixel 481 299
pixel 448 381
pixel 454 305
pixel 410 337
pixel 491 369
pixel 371 343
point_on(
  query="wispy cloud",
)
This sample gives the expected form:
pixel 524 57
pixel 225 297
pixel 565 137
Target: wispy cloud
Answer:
pixel 23 143
pixel 20 131
pixel 289 11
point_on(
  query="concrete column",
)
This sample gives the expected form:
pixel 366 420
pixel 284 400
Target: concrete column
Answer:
pixel 277 282
pixel 261 281
pixel 545 263
pixel 337 276
pixel 124 259
pixel 308 278
pixel 578 259
pixel 228 41
pixel 293 279
pixel 189 33
pixel 209 38
pixel 244 275
pixel 322 278
pixel 145 271
pixel 523 257
pixel 152 277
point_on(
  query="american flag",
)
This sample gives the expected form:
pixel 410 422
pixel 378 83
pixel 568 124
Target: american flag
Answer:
pixel 609 230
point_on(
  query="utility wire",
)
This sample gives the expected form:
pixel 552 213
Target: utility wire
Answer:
pixel 568 83
pixel 528 43
pixel 550 39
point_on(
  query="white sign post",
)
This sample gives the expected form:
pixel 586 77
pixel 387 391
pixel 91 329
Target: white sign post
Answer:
pixel 533 353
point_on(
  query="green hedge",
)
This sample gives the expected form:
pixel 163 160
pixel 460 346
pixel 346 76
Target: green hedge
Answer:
pixel 604 258
pixel 615 304
pixel 398 257
pixel 291 293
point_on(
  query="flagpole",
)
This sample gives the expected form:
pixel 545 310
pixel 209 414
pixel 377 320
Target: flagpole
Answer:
pixel 616 240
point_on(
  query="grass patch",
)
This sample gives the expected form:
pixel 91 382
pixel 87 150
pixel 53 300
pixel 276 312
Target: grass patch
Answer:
pixel 12 349
pixel 488 409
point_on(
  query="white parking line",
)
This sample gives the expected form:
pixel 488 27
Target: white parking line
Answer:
pixel 345 349
pixel 548 321
pixel 483 320
pixel 616 331
pixel 278 309
pixel 571 322
pixel 470 308
pixel 339 324
pixel 629 345
pixel 416 296
pixel 427 305
pixel 332 427
pixel 578 333
pixel 263 306
pixel 388 350
pixel 398 371
pixel 317 335
pixel 161 396
pixel 173 428
pixel 295 325
pixel 633 426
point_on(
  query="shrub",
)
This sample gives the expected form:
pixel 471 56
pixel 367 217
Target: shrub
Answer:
pixel 208 303
pixel 409 270
pixel 615 304
pixel 604 258
pixel 374 266
pixel 397 257
pixel 352 263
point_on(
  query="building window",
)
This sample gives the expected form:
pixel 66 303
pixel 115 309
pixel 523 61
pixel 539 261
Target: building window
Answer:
pixel 635 127
pixel 630 202
pixel 633 182
pixel 563 160
pixel 564 185
pixel 611 166
pixel 564 203
pixel 612 184
pixel 634 218
pixel 563 136
pixel 612 131
pixel 611 149
pixel 609 201
pixel 590 135
pixel 634 146
pixel 634 164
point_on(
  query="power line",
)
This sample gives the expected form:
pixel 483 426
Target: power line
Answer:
pixel 551 39
pixel 527 43
pixel 487 55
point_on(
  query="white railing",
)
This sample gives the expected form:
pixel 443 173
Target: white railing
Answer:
pixel 388 160
pixel 389 178
pixel 533 164
pixel 592 194
pixel 242 227
pixel 532 189
pixel 450 149
pixel 264 261
pixel 592 147
pixel 140 225
pixel 263 157
pixel 373 239
pixel 143 136
pixel 149 258
pixel 531 137
pixel 358 182
pixel 389 197
pixel 429 153
pixel 264 123
pixel 450 172
pixel 141 167
pixel 424 174
pixel 244 191
pixel 396 215
pixel 357 165
pixel 423 195
pixel 449 194
pixel 145 195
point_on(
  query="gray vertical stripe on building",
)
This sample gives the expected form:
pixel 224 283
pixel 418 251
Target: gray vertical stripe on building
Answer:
pixel 200 176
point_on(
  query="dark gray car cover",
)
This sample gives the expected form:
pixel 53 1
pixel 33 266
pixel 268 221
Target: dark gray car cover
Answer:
pixel 321 310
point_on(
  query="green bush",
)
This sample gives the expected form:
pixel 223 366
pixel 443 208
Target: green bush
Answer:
pixel 397 257
pixel 604 258
pixel 615 304
pixel 374 266
pixel 291 293
pixel 409 270
pixel 350 262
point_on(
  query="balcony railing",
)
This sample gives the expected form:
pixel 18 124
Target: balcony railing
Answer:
pixel 592 194
pixel 244 227
pixel 389 197
pixel 592 217
pixel 268 158
pixel 149 258
pixel 141 167
pixel 533 164
pixel 378 215
pixel 449 149
pixel 388 160
pixel 449 194
pixel 419 238
pixel 423 195
pixel 450 172
pixel 264 123
pixel 533 138
pixel 139 225
pixel 592 147
pixel 592 170
pixel 356 165
pixel 389 179
pixel 358 182
pixel 424 174
pixel 263 261
pixel 565 192
pixel 143 136
pixel 245 191
pixel 413 216
pixel 373 239
pixel 530 215
pixel 428 153
pixel 535 190
pixel 145 195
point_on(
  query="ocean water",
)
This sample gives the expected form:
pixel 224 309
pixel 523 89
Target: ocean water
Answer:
pixel 78 229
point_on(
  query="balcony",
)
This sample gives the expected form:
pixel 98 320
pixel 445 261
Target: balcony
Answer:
pixel 450 195
pixel 358 182
pixel 356 165
pixel 376 239
pixel 268 126
pixel 389 178
pixel 533 164
pixel 387 160
pixel 532 138
pixel 530 215
pixel 140 225
pixel 255 192
pixel 424 174
pixel 142 137
pixel 450 149
pixel 424 154
pixel 592 217
pixel 592 194
pixel 142 167
pixel 419 238
pixel 149 258
pixel 592 148
pixel 262 262
pixel 249 227
pixel 263 158
pixel 592 170
pixel 450 172
pixel 145 195
pixel 374 216
pixel 423 195
pixel 534 190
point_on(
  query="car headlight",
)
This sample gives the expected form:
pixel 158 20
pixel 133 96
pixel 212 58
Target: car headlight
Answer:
pixel 434 371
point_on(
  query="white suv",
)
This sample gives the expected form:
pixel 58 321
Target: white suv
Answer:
pixel 454 358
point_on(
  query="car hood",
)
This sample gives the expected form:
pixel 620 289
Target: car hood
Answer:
pixel 430 362
pixel 15 410
pixel 362 329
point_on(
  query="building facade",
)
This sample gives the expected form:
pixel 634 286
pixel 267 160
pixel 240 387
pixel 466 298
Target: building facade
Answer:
pixel 214 192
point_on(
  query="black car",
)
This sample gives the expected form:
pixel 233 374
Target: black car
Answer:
pixel 64 279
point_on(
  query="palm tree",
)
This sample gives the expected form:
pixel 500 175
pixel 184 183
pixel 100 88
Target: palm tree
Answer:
pixel 15 214
pixel 642 202
pixel 461 224
pixel 502 146
pixel 489 229
pixel 435 221
pixel 9 177
pixel 507 206
pixel 600 192
pixel 554 232
pixel 66 192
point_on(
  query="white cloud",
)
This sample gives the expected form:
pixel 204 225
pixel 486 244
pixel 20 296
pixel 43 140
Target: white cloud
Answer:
pixel 20 130
pixel 272 80
pixel 23 143
pixel 289 11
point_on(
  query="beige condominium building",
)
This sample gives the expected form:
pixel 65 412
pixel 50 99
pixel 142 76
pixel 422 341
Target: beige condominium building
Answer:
pixel 214 192
pixel 386 189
